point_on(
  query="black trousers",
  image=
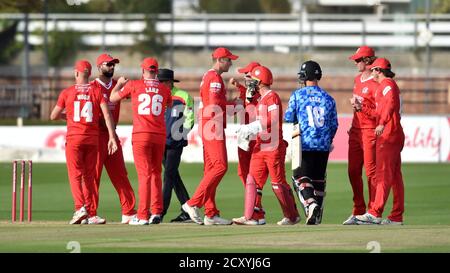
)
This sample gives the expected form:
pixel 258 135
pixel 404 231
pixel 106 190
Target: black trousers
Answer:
pixel 172 178
pixel 314 165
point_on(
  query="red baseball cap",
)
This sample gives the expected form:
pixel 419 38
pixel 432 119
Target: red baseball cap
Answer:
pixel 150 64
pixel 381 63
pixel 249 67
pixel 222 52
pixel 83 66
pixel 361 52
pixel 106 58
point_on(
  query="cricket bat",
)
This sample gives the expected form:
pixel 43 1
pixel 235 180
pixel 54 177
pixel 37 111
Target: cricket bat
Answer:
pixel 296 150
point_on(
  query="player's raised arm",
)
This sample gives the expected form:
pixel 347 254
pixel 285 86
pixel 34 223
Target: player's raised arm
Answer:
pixel 115 95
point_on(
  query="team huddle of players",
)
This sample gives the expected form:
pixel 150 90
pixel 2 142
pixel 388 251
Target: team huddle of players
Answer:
pixel 160 128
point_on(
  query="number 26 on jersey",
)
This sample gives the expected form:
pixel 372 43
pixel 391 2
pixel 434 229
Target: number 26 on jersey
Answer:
pixel 150 104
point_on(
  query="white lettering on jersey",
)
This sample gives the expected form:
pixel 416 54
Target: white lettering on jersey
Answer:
pixel 151 90
pixel 215 87
pixel 315 99
pixel 386 90
pixel 83 97
pixel 365 90
pixel 272 107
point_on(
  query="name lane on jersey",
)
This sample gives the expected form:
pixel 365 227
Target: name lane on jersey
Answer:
pixel 151 90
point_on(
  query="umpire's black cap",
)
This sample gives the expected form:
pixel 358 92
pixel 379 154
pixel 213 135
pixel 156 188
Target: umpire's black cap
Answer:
pixel 166 75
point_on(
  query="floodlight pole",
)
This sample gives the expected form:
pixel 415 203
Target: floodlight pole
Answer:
pixel 171 34
pixel 428 58
pixel 25 65
pixel 300 30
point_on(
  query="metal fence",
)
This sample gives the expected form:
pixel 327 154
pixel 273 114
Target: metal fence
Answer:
pixel 20 101
pixel 248 30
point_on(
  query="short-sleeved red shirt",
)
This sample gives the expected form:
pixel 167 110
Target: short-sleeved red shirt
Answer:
pixel 82 105
pixel 270 113
pixel 364 91
pixel 114 107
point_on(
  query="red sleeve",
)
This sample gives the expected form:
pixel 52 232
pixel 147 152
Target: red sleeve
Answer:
pixel 62 99
pixel 126 90
pixel 216 91
pixel 388 105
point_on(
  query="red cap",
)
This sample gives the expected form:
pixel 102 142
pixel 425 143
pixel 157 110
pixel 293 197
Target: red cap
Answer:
pixel 381 63
pixel 222 52
pixel 262 74
pixel 106 58
pixel 83 66
pixel 150 64
pixel 363 51
pixel 249 67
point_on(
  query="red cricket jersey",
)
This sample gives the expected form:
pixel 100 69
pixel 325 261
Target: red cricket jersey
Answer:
pixel 149 99
pixel 213 93
pixel 114 107
pixel 82 104
pixel 364 91
pixel 388 108
pixel 270 113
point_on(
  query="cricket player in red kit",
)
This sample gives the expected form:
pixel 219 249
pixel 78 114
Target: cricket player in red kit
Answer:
pixel 268 155
pixel 83 103
pixel 390 142
pixel 250 102
pixel 114 164
pixel 361 143
pixel 149 100
pixel 212 123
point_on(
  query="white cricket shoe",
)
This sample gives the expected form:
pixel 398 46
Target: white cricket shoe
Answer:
pixel 79 216
pixel 251 222
pixel 390 222
pixel 138 222
pixel 193 212
pixel 351 220
pixel 96 220
pixel 127 218
pixel 368 219
pixel 216 220
pixel 287 222
pixel 313 213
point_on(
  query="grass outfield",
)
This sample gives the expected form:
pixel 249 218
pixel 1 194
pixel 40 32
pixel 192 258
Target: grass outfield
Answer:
pixel 426 229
